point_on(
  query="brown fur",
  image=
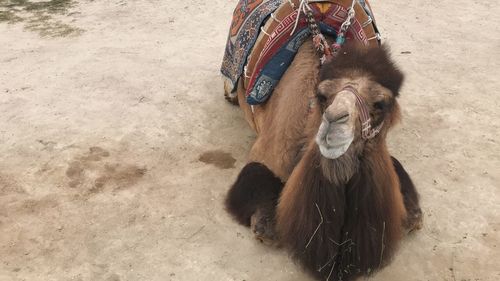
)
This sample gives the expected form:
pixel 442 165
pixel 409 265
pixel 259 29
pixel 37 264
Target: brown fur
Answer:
pixel 283 120
pixel 374 62
pixel 356 214
pixel 339 218
pixel 255 187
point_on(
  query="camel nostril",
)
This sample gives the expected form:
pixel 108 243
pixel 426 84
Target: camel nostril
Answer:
pixel 337 118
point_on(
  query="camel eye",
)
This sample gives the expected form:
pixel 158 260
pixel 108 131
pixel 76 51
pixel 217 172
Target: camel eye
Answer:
pixel 321 98
pixel 380 105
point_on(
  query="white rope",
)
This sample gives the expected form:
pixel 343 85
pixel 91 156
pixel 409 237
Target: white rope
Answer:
pixel 302 8
pixel 377 36
pixel 245 71
pixel 352 4
pixel 350 16
pixel 367 22
pixel 275 19
pixel 262 29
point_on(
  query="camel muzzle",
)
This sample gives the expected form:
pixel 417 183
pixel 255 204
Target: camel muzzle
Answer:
pixel 336 131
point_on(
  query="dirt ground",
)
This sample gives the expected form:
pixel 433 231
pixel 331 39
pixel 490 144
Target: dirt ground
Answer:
pixel 107 107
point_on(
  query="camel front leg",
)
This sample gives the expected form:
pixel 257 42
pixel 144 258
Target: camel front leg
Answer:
pixel 252 200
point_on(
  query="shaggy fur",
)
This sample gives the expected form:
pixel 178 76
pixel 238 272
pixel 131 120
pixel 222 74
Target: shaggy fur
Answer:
pixel 340 230
pixel 255 187
pixel 310 212
pixel 375 62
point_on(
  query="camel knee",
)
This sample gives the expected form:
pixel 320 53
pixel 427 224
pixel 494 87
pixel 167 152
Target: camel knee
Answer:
pixel 255 186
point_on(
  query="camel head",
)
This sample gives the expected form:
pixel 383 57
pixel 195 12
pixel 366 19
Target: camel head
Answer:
pixel 357 96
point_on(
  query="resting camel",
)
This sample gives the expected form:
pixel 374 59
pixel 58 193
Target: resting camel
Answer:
pixel 315 183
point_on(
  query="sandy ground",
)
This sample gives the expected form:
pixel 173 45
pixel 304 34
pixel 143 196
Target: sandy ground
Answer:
pixel 107 106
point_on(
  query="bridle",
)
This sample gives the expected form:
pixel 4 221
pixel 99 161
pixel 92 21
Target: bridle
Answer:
pixel 328 52
pixel 367 132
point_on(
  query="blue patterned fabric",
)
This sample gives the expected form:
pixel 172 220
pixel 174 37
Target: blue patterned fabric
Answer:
pixel 274 69
pixel 247 22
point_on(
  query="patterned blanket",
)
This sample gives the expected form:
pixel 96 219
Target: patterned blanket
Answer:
pixel 261 46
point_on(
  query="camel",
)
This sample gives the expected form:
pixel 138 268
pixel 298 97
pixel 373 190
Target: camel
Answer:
pixel 318 181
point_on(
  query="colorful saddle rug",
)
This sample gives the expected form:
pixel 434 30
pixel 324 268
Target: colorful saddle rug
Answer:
pixel 261 44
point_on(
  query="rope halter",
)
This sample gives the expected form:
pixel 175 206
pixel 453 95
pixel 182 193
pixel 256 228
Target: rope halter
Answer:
pixel 367 132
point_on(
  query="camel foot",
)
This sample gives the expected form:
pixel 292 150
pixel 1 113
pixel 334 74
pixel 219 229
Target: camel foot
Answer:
pixel 414 221
pixel 263 225
pixel 231 97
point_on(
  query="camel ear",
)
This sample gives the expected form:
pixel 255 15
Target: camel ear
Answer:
pixel 384 69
